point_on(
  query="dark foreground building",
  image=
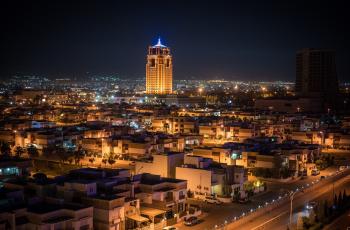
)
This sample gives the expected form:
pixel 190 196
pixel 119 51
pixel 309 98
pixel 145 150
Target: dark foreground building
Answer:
pixel 316 76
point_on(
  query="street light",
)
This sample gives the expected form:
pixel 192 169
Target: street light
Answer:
pixel 291 197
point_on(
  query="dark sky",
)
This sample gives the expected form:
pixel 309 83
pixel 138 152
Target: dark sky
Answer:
pixel 243 40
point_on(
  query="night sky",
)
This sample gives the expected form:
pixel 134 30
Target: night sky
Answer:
pixel 237 40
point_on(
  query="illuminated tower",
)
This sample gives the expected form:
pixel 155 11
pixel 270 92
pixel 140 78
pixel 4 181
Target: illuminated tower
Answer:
pixel 159 70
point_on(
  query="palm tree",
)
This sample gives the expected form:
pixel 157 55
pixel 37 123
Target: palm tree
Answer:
pixel 5 149
pixel 19 151
pixel 91 160
pixel 111 161
pixel 49 151
pixel 104 161
pixel 62 154
pixel 78 155
pixel 32 151
pixel 40 177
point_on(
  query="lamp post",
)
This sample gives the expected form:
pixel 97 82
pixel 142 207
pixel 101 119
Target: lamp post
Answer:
pixel 291 197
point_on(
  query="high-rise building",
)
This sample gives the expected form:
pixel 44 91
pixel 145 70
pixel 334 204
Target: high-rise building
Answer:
pixel 159 70
pixel 316 75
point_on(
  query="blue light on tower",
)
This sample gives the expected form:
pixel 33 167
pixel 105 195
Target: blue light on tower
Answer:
pixel 159 43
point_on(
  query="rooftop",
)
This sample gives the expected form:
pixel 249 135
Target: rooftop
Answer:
pixel 46 207
pixel 159 43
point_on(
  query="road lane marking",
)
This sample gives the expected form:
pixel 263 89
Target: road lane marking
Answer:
pixel 270 220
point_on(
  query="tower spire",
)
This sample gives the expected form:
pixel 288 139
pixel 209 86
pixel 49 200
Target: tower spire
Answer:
pixel 159 43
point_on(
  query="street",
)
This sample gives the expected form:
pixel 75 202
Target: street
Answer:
pixel 218 214
pixel 278 218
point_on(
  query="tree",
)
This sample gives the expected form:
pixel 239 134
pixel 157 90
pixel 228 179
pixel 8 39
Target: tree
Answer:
pixel 189 194
pixel 78 155
pixel 335 201
pixel 32 151
pixel 48 152
pixel 325 207
pixel 40 177
pixel 153 152
pixel 330 212
pixel 312 217
pixel 345 197
pixel 61 153
pixel 303 222
pixel 111 161
pixel 19 151
pixel 5 149
pixel 320 215
pixel 91 160
pixel 340 201
pixel 237 195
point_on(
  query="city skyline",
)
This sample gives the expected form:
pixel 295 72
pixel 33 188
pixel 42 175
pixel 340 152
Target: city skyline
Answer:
pixel 232 41
pixel 174 115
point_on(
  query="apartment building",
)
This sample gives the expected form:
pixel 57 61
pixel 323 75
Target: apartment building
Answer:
pixel 162 164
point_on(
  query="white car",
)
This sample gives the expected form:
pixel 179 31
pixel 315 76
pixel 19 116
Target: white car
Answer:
pixel 341 168
pixel 315 172
pixel 170 228
pixel 212 200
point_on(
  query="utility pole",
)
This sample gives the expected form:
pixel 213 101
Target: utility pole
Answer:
pixel 291 197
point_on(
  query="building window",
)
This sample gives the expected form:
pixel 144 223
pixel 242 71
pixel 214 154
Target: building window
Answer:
pixel 153 62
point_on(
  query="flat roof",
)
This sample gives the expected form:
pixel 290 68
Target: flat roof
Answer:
pixel 106 197
pixel 41 208
pixel 151 211
pixel 138 218
pixel 58 219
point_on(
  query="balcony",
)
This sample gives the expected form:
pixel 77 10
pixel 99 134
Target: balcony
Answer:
pixel 169 199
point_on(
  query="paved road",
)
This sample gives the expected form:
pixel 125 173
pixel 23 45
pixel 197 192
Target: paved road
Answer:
pixel 220 213
pixel 278 218
pixel 281 220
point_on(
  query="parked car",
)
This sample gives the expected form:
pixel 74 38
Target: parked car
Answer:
pixel 212 200
pixel 170 228
pixel 243 200
pixel 315 172
pixel 193 220
pixel 341 168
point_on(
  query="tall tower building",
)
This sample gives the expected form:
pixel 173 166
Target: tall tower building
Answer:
pixel 316 75
pixel 159 70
